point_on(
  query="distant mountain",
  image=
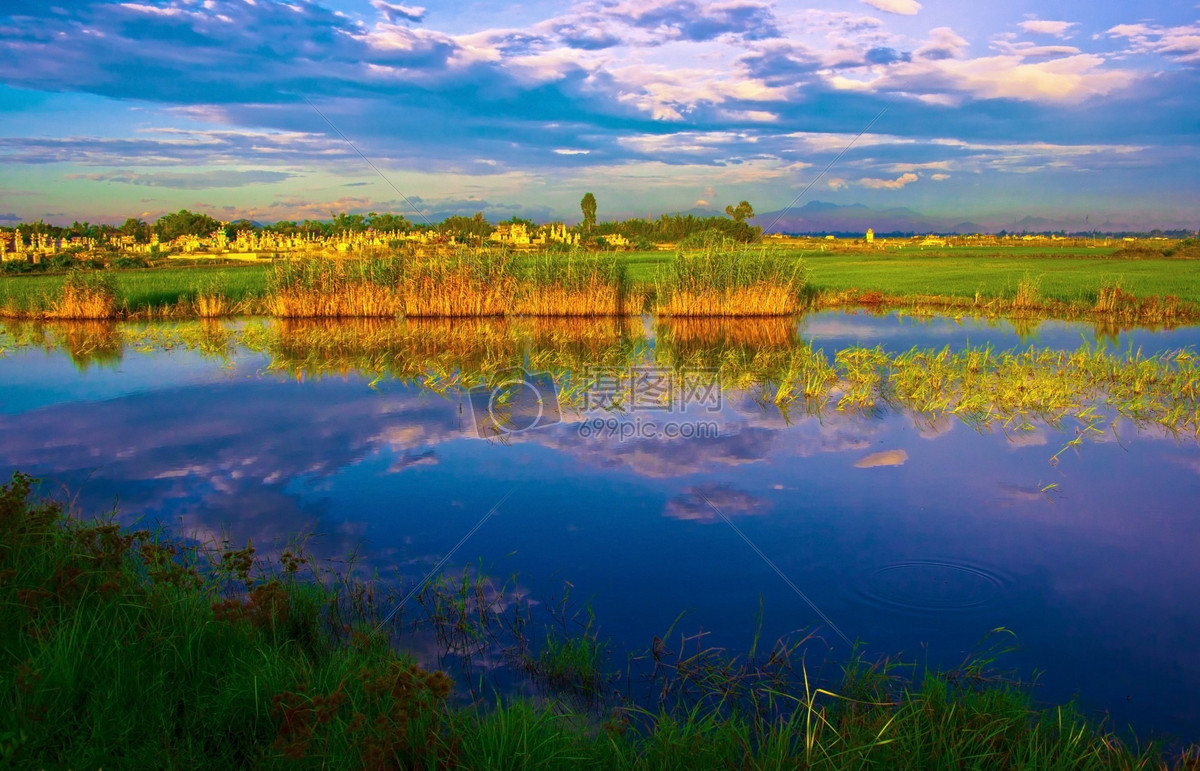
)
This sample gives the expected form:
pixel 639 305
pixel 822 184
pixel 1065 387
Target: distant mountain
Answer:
pixel 819 217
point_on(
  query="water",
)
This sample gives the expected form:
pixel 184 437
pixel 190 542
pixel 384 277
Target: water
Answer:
pixel 916 536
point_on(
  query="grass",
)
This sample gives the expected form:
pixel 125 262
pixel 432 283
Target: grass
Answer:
pixel 998 273
pixel 121 648
pixel 1070 282
pixel 725 279
pixel 465 284
pixel 86 296
pixel 147 293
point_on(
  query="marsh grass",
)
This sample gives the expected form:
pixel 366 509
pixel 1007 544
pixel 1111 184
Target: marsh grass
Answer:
pixel 727 279
pixel 334 288
pixel 463 284
pixel 86 295
pixel 574 284
pixel 123 648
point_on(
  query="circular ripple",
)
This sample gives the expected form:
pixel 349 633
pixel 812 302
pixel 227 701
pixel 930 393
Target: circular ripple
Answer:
pixel 932 586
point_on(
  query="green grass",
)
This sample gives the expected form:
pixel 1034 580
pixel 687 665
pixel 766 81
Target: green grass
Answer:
pixel 143 290
pixel 1062 275
pixel 997 274
pixel 120 649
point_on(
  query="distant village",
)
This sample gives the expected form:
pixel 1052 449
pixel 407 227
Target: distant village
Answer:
pixel 253 244
pixel 259 243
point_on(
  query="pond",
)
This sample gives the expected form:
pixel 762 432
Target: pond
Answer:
pixel 668 482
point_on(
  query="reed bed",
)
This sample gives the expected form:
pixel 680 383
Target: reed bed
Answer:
pixel 334 288
pixel 467 284
pixel 724 279
pixel 574 284
pixel 86 295
pixel 463 284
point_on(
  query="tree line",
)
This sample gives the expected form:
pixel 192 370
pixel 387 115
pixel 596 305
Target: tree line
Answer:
pixel 638 231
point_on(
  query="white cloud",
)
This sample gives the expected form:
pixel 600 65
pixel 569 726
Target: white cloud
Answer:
pixel 889 184
pixel 396 12
pixel 902 7
pixel 943 43
pixel 1069 79
pixel 940 177
pixel 1179 43
pixel 1057 29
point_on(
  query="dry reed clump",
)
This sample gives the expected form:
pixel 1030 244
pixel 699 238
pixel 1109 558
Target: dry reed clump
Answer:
pixel 456 288
pixel 728 279
pixel 598 298
pixel 214 305
pixel 572 284
pixel 349 301
pixel 334 288
pixel 1027 297
pixel 86 296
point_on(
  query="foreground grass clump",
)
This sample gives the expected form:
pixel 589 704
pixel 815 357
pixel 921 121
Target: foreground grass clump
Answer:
pixel 728 279
pixel 86 295
pixel 121 649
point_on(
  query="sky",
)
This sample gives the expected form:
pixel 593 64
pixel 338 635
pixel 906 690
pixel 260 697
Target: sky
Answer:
pixel 299 109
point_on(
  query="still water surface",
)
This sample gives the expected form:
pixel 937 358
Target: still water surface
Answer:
pixel 913 535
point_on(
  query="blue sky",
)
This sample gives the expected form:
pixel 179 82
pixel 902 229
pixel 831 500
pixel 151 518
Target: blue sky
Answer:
pixel 988 112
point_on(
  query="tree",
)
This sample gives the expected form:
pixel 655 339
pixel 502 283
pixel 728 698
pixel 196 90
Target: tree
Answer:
pixel 588 205
pixel 390 222
pixel 742 212
pixel 184 223
pixel 466 228
pixel 349 223
pixel 237 226
pixel 136 228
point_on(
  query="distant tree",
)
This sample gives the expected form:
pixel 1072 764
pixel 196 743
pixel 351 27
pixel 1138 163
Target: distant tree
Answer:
pixel 466 228
pixel 237 226
pixel 136 228
pixel 184 223
pixel 349 223
pixel 740 213
pixel 588 206
pixel 390 222
pixel 284 228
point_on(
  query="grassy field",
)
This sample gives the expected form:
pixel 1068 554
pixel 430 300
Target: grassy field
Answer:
pixel 1068 275
pixel 840 275
pixel 1069 279
pixel 141 290
pixel 123 649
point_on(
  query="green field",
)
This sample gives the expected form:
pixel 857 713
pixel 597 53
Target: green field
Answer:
pixel 1070 275
pixel 143 289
